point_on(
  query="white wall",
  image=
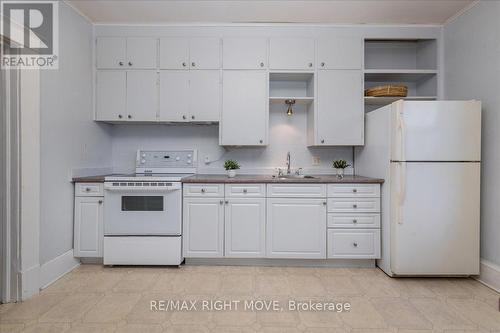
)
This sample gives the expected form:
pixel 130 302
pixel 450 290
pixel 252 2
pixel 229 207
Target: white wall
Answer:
pixel 472 71
pixel 285 134
pixel 70 139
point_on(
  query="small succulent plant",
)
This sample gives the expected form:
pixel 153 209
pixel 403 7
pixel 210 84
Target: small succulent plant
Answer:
pixel 231 165
pixel 340 164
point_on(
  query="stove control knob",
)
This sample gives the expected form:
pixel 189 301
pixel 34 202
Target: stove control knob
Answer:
pixel 177 158
pixel 189 155
pixel 143 161
pixel 143 155
pixel 188 161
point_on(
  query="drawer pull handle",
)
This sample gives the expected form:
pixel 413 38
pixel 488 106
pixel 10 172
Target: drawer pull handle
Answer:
pixel 355 244
pixel 202 190
pixel 87 189
pixel 354 221
pixel 245 190
pixel 354 190
pixel 354 206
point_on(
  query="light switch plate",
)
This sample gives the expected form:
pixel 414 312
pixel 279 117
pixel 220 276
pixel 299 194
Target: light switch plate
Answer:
pixel 316 160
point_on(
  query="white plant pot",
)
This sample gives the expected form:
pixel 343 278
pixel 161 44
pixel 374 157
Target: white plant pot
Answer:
pixel 340 173
pixel 231 173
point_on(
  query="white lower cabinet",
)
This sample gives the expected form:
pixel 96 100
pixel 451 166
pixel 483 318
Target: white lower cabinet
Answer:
pixel 245 227
pixel 203 227
pixel 88 233
pixel 296 228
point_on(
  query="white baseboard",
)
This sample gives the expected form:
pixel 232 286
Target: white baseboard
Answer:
pixel 56 268
pixel 30 282
pixel 490 275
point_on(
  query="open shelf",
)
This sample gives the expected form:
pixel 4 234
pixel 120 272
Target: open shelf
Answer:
pixel 298 85
pixel 398 75
pixel 401 53
pixel 381 101
pixel 298 100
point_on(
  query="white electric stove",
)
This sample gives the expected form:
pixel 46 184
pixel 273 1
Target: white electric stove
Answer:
pixel 143 211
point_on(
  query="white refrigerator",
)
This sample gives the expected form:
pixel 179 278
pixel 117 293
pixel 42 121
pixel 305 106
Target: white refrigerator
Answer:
pixel 429 153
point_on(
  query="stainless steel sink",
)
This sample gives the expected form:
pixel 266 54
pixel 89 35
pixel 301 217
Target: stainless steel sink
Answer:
pixel 295 177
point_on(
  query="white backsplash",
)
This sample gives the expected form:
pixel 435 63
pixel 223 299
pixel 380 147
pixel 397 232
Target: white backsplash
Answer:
pixel 285 134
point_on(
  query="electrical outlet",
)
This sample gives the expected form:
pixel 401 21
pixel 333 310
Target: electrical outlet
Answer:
pixel 207 159
pixel 316 160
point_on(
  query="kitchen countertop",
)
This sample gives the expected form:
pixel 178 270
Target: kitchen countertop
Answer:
pixel 93 179
pixel 201 178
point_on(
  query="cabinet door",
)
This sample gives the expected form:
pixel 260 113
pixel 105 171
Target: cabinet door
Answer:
pixel 204 95
pixel 245 108
pixel 291 53
pixel 174 95
pixel 244 53
pixel 296 228
pixel 142 95
pixel 88 231
pixel 204 53
pixel 203 227
pixel 111 52
pixel 340 115
pixel 174 53
pixel 111 95
pixel 340 53
pixel 245 223
pixel 141 53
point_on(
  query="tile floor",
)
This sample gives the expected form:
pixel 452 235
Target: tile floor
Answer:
pixel 97 299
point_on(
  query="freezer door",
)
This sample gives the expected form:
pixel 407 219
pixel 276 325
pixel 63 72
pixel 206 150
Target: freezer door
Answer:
pixel 435 218
pixel 436 131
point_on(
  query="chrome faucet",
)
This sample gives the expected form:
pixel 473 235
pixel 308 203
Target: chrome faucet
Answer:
pixel 288 166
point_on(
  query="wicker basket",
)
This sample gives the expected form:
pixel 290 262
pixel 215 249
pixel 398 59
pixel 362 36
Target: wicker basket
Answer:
pixel 390 90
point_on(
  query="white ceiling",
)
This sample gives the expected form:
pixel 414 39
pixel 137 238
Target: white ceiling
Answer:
pixel 275 11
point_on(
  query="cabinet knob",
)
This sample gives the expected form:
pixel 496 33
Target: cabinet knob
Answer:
pixel 120 63
pixel 193 64
pixel 202 190
pixel 354 221
pixel 322 64
pixel 261 141
pixel 245 190
pixel 261 64
pixel 130 63
pixel 310 64
pixel 221 202
pixel 100 202
pixel 87 189
pixel 354 190
pixel 322 140
pixel 192 117
pixel 354 206
pixel 129 117
pixel 120 116
pixel 324 203
pixel 184 64
pixel 355 244
pixel 183 117
pixel 226 202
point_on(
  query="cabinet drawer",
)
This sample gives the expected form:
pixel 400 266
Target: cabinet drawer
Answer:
pixel 245 190
pixel 353 205
pixel 354 220
pixel 204 190
pixel 354 243
pixel 296 190
pixel 354 190
pixel 89 190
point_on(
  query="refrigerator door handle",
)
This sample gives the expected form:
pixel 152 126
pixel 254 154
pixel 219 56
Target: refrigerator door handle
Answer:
pixel 402 132
pixel 402 191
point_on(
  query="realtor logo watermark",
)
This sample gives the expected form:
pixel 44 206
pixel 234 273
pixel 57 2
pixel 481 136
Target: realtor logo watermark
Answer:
pixel 30 34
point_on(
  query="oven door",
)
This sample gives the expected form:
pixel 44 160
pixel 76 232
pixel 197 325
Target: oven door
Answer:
pixel 134 211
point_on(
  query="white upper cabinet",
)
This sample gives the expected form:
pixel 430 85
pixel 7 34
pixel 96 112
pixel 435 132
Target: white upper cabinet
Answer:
pixel 174 96
pixel 141 52
pixel 111 92
pixel 190 53
pixel 291 53
pixel 121 52
pixel 340 114
pixel 204 53
pixel 174 53
pixel 244 53
pixel 142 95
pixel 111 52
pixel 205 95
pixel 245 108
pixel 340 53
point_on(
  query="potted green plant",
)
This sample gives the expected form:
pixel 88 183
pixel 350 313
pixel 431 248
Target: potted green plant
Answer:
pixel 231 166
pixel 339 166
